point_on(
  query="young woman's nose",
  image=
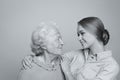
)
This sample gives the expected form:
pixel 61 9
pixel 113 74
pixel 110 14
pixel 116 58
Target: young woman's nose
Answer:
pixel 80 37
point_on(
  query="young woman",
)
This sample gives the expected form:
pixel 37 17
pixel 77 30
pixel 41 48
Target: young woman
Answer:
pixel 93 62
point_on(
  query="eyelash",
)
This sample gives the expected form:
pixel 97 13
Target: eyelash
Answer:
pixel 82 33
pixel 58 39
pixel 78 34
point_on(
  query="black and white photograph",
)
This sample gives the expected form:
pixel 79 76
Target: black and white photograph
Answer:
pixel 59 40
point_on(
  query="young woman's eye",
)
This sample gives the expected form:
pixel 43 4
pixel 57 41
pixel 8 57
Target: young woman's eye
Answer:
pixel 78 34
pixel 82 33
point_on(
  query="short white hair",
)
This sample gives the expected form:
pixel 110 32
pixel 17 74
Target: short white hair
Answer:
pixel 39 35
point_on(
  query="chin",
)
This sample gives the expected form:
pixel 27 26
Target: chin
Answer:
pixel 86 46
pixel 58 52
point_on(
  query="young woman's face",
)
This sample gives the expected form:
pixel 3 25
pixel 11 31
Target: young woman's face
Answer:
pixel 85 37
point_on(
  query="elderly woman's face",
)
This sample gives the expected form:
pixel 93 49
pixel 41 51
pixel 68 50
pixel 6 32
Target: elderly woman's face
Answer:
pixel 54 42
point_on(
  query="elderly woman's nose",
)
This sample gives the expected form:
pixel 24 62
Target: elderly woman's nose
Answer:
pixel 61 41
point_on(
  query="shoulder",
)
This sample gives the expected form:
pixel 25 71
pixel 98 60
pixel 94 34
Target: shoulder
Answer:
pixel 24 74
pixel 74 53
pixel 111 60
pixel 112 66
pixel 31 71
pixel 27 71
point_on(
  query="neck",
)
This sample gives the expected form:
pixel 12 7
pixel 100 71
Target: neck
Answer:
pixel 48 58
pixel 96 48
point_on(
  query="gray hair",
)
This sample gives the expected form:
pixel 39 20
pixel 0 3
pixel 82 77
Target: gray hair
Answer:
pixel 39 35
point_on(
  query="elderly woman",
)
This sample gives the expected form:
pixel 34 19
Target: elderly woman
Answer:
pixel 47 46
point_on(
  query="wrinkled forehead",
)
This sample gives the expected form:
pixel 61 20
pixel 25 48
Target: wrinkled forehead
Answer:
pixel 54 32
pixel 51 28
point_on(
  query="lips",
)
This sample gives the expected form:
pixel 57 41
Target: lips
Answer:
pixel 82 43
pixel 60 46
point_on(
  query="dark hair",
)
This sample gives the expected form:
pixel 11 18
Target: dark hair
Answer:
pixel 101 33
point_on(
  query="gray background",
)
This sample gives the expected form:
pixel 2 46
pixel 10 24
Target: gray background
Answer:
pixel 18 18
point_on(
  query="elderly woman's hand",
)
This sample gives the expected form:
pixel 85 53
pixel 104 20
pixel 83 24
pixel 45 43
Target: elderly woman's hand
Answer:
pixel 27 62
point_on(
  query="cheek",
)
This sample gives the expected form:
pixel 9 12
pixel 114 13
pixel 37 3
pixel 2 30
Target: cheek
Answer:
pixel 90 39
pixel 52 46
pixel 53 49
pixel 50 49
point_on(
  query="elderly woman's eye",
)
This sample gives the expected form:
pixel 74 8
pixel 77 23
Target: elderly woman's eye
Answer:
pixel 59 39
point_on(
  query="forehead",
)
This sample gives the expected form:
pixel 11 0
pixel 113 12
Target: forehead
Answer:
pixel 89 28
pixel 80 28
pixel 54 33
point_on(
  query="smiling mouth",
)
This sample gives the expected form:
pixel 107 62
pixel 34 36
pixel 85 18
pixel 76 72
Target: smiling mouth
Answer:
pixel 60 47
pixel 82 43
